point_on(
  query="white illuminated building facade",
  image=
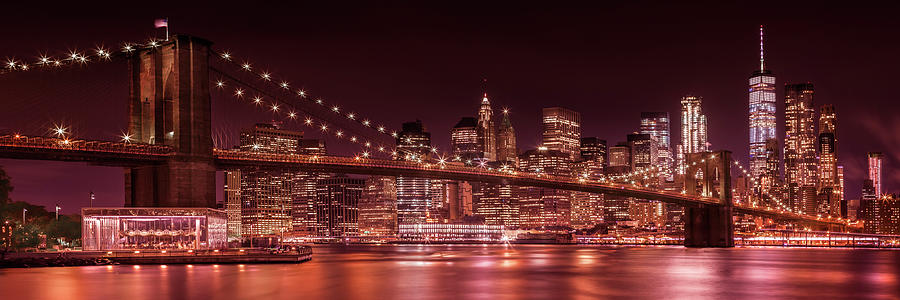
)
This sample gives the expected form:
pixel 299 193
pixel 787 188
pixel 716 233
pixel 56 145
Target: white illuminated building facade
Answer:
pixel 762 113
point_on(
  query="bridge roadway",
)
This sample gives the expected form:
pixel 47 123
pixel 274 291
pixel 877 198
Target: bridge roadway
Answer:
pixel 132 154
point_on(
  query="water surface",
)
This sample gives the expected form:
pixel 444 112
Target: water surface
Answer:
pixel 489 272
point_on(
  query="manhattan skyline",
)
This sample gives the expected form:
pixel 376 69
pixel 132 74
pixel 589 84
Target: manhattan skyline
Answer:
pixel 398 65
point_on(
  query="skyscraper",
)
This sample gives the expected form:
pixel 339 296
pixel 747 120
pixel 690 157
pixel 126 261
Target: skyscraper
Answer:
pixel 762 113
pixel 619 163
pixel 769 181
pixel 643 151
pixel 487 132
pixel 464 140
pixel 266 196
pixel 800 162
pixel 561 130
pixel 413 195
pixel 656 124
pixel 337 207
pixel 875 159
pixel 543 206
pixel 693 125
pixel 828 171
pixel 506 142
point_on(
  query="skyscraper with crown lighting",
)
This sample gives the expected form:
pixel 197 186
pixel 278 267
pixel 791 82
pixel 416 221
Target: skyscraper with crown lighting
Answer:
pixel 762 113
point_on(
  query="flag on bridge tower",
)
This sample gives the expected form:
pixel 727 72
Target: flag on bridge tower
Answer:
pixel 164 22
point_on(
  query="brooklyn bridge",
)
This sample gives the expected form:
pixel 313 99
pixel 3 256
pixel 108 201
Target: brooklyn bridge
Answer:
pixel 169 158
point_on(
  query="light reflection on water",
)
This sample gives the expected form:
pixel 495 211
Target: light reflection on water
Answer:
pixel 488 272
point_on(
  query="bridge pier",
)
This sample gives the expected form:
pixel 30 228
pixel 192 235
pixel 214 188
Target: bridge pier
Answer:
pixel 170 105
pixel 708 174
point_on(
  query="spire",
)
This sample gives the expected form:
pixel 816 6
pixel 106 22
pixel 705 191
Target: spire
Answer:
pixel 762 59
pixel 484 90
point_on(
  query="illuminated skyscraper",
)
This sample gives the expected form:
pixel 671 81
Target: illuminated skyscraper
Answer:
pixel 829 192
pixel 619 164
pixel 498 204
pixel 561 130
pixel 543 206
pixel 769 181
pixel 693 125
pixel 378 207
pixel 800 162
pixel 762 113
pixel 656 124
pixel 413 194
pixel 875 159
pixel 506 142
pixel 487 132
pixel 267 197
pixel 464 140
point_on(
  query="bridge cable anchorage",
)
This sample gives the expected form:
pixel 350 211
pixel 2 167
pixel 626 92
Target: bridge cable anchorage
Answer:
pixel 284 87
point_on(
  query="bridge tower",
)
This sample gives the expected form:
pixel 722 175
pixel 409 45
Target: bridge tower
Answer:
pixel 170 104
pixel 709 225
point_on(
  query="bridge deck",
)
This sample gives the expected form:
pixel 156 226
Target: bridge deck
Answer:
pixel 127 154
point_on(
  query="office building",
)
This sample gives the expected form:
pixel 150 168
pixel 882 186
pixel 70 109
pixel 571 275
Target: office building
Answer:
pixel 378 207
pixel 561 131
pixel 507 152
pixel 762 113
pixel 337 207
pixel 540 207
pixel 800 159
pixel 875 161
pixel 413 194
pixel 656 124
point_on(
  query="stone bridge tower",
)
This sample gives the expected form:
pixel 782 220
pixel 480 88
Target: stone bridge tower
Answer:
pixel 170 105
pixel 708 225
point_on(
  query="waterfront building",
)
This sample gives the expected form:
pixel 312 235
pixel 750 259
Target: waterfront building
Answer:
pixel 762 114
pixel 265 202
pixel 881 215
pixel 619 164
pixel 561 130
pixel 337 207
pixel 160 228
pixel 875 161
pixel 540 207
pixel 587 208
pixel 656 124
pixel 378 207
pixel 800 159
pixel 498 204
pixel 453 232
pixel 413 194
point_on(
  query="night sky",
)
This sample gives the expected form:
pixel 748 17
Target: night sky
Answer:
pixel 396 63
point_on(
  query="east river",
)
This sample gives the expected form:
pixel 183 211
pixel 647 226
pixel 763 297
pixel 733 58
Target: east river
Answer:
pixel 489 272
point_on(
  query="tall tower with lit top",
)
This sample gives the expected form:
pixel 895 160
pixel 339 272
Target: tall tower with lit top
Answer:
pixel 762 112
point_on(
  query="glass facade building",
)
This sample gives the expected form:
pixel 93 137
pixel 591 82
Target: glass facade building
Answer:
pixel 152 228
pixel 800 157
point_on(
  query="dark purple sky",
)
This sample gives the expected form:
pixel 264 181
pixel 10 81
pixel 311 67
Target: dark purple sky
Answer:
pixel 397 63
